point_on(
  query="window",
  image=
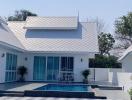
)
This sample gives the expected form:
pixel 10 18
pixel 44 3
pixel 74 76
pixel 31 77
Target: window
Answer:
pixel 67 63
pixel 11 64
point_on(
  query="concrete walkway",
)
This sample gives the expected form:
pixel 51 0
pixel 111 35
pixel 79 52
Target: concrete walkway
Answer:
pixel 113 94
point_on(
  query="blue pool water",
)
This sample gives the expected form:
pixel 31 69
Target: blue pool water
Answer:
pixel 63 87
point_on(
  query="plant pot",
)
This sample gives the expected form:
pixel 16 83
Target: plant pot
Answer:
pixel 21 80
pixel 85 81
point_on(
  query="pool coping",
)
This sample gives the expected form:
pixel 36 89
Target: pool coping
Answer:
pixel 65 94
pixel 107 87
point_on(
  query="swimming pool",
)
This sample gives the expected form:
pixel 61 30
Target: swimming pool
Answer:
pixel 65 87
pixel 62 90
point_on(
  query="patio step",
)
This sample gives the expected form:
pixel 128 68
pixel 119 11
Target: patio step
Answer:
pixel 110 88
pixel 11 93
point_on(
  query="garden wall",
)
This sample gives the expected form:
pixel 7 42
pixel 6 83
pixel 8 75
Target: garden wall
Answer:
pixel 116 76
pixel 125 80
pixel 120 78
pixel 100 74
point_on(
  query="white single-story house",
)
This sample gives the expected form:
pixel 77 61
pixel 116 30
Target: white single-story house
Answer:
pixel 126 60
pixel 52 48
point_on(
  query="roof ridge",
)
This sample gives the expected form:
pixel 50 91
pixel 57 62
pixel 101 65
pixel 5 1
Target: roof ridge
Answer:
pixel 86 22
pixel 16 21
pixel 53 16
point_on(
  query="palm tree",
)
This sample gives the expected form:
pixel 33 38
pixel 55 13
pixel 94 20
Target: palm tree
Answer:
pixel 22 70
pixel 85 74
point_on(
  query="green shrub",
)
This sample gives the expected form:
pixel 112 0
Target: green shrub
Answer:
pixel 102 61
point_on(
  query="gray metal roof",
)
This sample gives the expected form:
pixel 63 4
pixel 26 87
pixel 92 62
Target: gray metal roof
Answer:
pixel 7 36
pixel 59 23
pixel 83 39
pixel 126 52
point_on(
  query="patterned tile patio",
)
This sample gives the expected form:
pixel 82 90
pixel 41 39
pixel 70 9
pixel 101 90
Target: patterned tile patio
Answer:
pixel 16 86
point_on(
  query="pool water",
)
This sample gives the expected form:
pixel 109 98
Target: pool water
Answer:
pixel 64 87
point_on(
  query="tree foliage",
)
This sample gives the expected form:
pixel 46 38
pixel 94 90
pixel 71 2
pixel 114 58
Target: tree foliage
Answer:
pixel 102 61
pixel 123 30
pixel 21 15
pixel 106 42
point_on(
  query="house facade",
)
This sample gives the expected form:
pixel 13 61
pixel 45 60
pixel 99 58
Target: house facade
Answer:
pixel 51 48
pixel 126 60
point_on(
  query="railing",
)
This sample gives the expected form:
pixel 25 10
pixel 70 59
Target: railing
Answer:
pixel 66 77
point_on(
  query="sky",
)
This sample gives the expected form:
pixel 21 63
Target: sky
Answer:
pixel 106 10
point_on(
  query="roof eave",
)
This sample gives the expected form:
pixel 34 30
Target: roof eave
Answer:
pixel 12 46
pixel 51 28
pixel 123 57
pixel 74 52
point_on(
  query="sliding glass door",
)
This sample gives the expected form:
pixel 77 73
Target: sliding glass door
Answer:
pixel 52 68
pixel 11 64
pixel 39 68
pixel 46 69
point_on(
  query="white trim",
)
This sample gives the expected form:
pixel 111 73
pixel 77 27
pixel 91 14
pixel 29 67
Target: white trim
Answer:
pixel 123 57
pixel 12 46
pixel 51 28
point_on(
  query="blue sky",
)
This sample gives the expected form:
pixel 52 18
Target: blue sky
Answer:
pixel 107 10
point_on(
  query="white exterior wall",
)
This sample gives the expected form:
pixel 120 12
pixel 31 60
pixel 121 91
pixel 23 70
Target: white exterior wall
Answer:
pixel 3 61
pixel 2 65
pixel 78 65
pixel 127 63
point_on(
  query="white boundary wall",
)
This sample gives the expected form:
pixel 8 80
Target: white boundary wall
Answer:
pixel 120 78
pixel 101 74
pixel 125 80
pixel 113 78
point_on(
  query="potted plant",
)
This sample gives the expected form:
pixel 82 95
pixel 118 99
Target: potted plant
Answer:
pixel 22 70
pixel 85 74
pixel 130 93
